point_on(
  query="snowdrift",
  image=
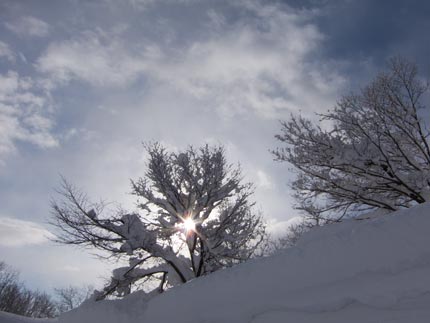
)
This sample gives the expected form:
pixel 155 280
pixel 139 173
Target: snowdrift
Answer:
pixel 375 270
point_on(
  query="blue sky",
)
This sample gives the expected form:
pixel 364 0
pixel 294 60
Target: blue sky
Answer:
pixel 84 83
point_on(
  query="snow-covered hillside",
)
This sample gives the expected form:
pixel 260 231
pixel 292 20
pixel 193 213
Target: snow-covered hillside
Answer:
pixel 374 270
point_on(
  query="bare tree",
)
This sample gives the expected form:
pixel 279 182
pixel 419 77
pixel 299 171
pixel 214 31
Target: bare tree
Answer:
pixel 293 234
pixel 17 299
pixel 375 156
pixel 42 306
pixel 71 297
pixel 194 218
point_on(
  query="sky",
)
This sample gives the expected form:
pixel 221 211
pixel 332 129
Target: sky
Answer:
pixel 84 83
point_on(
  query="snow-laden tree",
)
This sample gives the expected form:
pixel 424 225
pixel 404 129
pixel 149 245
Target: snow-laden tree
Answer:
pixel 194 217
pixel 375 154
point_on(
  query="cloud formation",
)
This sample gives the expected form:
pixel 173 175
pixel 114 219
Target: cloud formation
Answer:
pixel 256 65
pixel 24 116
pixel 6 52
pixel 94 57
pixel 18 233
pixel 260 64
pixel 28 26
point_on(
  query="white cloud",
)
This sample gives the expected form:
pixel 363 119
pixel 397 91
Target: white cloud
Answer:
pixel 6 52
pixel 93 57
pixel 261 64
pixel 70 268
pixel 28 26
pixel 23 114
pixel 141 4
pixel 277 228
pixel 16 233
pixel 263 180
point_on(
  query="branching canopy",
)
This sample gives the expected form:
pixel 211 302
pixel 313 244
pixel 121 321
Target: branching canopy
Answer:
pixel 376 155
pixel 194 217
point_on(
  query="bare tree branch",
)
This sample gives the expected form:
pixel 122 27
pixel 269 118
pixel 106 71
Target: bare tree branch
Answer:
pixel 376 154
pixel 196 186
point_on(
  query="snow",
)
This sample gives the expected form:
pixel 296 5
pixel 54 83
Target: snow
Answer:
pixel 12 318
pixel 374 270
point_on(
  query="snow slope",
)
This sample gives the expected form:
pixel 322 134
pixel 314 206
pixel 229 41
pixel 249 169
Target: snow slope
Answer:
pixel 374 270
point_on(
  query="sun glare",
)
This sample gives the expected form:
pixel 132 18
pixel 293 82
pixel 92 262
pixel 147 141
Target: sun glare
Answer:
pixel 189 225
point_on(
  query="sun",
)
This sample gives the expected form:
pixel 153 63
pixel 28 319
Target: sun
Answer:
pixel 189 225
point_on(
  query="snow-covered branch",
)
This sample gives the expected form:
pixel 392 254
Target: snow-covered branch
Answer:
pixel 375 155
pixel 194 218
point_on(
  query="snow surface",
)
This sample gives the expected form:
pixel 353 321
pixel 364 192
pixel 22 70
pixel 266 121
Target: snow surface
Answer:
pixel 375 270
